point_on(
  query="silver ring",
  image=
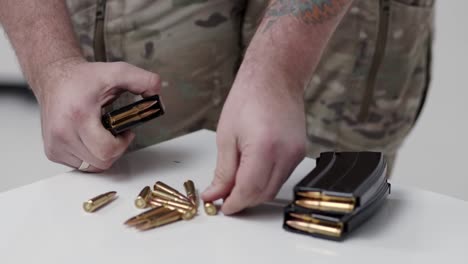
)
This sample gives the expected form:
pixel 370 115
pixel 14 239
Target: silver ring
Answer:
pixel 84 166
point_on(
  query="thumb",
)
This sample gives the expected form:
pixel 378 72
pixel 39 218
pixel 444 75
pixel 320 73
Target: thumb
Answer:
pixel 226 167
pixel 125 76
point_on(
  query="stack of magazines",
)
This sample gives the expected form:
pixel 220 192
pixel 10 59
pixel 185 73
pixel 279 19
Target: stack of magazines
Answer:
pixel 343 191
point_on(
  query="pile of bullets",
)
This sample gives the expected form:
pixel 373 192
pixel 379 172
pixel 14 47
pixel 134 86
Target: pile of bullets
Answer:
pixel 166 205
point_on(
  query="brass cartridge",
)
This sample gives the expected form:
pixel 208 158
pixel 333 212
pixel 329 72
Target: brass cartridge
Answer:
pixel 165 219
pixel 316 228
pixel 169 197
pixel 186 214
pixel 133 115
pixel 210 208
pixel 320 201
pixel 154 212
pixel 183 206
pixel 168 189
pixel 99 201
pixel 142 200
pixel 191 192
pixel 326 205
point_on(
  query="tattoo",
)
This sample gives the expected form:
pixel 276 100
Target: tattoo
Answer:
pixel 306 11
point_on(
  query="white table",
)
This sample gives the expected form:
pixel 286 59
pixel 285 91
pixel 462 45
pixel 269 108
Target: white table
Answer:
pixel 44 222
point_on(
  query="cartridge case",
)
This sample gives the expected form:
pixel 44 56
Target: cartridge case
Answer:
pixel 324 197
pixel 191 192
pixel 315 228
pixel 99 201
pixel 154 212
pixel 330 206
pixel 170 197
pixel 141 201
pixel 186 214
pixel 160 186
pixel 210 208
pixel 183 206
pixel 165 219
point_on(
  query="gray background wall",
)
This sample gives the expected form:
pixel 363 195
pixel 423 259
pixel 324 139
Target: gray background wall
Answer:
pixel 433 158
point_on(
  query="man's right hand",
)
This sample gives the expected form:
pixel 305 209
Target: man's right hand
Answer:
pixel 71 94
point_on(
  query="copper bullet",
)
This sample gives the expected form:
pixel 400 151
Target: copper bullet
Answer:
pixel 165 219
pixel 133 115
pixel 183 206
pixel 191 192
pixel 99 201
pixel 140 116
pixel 325 197
pixel 311 195
pixel 137 111
pixel 138 219
pixel 168 189
pixel 302 217
pixel 326 205
pixel 142 200
pixel 314 228
pixel 169 197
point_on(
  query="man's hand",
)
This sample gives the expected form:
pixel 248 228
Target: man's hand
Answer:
pixel 262 134
pixel 261 138
pixel 70 90
pixel 71 94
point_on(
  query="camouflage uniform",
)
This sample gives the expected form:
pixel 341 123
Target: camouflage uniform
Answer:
pixel 366 94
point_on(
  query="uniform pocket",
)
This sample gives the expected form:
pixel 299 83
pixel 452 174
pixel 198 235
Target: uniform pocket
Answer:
pixel 99 38
pixel 83 18
pixel 416 3
pixel 402 79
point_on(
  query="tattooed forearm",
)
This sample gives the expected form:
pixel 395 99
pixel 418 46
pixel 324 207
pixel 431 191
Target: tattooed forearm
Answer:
pixel 306 11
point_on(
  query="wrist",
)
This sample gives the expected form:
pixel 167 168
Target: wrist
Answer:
pixel 259 73
pixel 51 74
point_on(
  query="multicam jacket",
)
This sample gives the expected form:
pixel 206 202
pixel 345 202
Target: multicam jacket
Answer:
pixel 366 93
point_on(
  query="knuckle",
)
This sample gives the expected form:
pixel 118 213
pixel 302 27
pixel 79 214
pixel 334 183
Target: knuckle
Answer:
pixel 267 136
pixel 268 145
pixel 297 150
pixel 222 176
pixel 115 69
pixel 58 132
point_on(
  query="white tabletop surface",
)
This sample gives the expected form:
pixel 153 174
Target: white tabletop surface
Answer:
pixel 44 222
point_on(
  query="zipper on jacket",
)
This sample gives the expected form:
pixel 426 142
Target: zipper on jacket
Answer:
pixel 99 44
pixel 384 21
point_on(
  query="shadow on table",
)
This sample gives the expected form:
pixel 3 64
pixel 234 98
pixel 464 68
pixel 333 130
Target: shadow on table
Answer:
pixel 376 228
pixel 155 160
pixel 264 212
